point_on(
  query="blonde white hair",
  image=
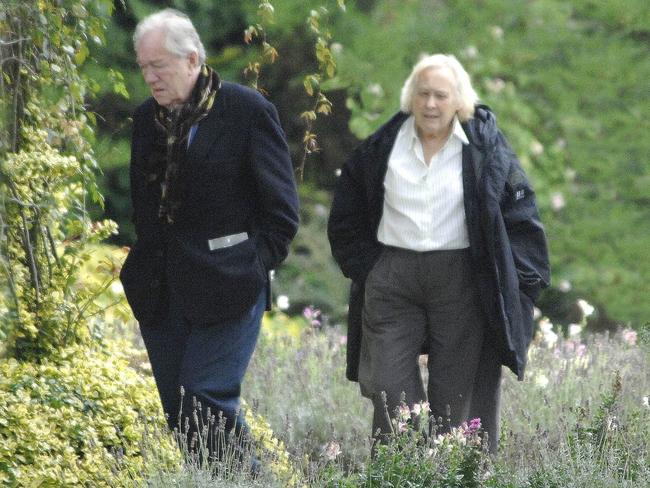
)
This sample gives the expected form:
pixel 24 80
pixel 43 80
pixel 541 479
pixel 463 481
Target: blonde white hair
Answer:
pixel 180 36
pixel 465 93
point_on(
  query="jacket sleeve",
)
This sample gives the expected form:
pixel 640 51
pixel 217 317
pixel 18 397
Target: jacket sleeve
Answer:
pixel 524 228
pixel 275 186
pixel 352 242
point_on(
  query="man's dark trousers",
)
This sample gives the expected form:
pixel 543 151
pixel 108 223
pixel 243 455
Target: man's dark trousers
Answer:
pixel 207 360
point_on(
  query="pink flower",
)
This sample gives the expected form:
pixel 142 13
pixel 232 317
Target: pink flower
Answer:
pixel 312 315
pixel 420 408
pixel 629 336
pixel 403 412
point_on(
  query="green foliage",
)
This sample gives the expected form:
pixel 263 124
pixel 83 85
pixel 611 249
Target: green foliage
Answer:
pixel 567 82
pixel 45 239
pixel 310 276
pixel 77 420
pixel 47 175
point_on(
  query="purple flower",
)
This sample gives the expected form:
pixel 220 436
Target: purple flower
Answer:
pixel 474 425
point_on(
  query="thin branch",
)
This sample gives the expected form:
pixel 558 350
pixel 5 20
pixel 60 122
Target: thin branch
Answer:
pixel 27 245
pixel 15 41
pixel 8 270
pixel 52 245
pixel 305 147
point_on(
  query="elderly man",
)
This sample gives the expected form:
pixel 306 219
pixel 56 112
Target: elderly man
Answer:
pixel 215 209
pixel 434 221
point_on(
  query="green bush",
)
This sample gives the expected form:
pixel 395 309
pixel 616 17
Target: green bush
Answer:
pixel 76 420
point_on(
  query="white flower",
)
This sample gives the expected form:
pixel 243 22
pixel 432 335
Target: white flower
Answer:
pixel 331 450
pixel 575 330
pixel 550 338
pixel 557 201
pixel 612 422
pixel 537 313
pixel 376 89
pixel 320 210
pixel 586 308
pixel 645 402
pixel 497 32
pixel 470 52
pixel 565 286
pixel 336 47
pixel 116 288
pixel 536 148
pixel 337 173
pixel 545 325
pixel 541 381
pixel 495 85
pixel 282 302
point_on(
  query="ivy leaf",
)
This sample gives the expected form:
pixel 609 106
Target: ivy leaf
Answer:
pixel 81 55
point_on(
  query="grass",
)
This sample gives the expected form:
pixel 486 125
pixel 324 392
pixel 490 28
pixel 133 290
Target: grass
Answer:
pixel 578 420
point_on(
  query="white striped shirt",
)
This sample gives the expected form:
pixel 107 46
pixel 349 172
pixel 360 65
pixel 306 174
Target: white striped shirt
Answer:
pixel 423 204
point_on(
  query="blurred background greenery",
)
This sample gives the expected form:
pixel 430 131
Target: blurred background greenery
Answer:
pixel 568 81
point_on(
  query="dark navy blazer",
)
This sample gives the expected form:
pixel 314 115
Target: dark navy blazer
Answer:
pixel 238 178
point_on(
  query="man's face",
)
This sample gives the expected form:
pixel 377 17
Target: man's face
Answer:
pixel 170 78
pixel 434 102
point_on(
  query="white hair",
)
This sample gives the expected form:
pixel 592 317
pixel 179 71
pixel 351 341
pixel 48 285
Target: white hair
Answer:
pixel 180 36
pixel 466 94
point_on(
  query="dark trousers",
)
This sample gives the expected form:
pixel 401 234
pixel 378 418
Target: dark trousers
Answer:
pixel 417 301
pixel 208 361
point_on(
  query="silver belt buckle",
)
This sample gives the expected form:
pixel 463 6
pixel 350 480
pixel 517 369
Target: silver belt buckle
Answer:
pixel 227 241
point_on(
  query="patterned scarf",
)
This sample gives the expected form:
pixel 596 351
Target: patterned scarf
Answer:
pixel 170 149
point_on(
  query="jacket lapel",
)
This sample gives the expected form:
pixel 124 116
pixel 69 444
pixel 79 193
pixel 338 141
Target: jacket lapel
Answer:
pixel 208 133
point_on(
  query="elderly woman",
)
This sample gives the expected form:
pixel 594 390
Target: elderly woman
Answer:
pixel 435 222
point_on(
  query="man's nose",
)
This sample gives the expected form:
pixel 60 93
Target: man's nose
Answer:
pixel 149 76
pixel 431 101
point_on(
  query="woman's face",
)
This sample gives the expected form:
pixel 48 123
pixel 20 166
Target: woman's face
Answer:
pixel 435 102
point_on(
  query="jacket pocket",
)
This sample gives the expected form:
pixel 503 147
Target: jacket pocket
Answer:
pixel 219 284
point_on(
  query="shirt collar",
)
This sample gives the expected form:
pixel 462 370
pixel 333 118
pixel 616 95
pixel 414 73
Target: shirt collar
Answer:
pixel 411 134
